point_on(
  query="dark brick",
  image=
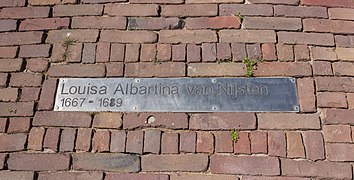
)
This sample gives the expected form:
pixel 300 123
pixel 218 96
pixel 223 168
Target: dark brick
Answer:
pixel 238 51
pixel 221 22
pixel 10 3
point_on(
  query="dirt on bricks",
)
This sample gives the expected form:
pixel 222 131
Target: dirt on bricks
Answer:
pixel 309 40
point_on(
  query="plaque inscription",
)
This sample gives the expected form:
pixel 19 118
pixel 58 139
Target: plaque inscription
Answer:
pixel 177 94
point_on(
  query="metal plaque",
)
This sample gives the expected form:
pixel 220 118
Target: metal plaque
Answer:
pixel 177 94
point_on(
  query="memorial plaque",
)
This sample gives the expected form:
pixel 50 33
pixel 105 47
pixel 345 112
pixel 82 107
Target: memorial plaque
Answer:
pixel 177 94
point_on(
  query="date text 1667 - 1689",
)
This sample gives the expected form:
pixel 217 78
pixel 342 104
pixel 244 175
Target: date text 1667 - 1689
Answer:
pixel 102 102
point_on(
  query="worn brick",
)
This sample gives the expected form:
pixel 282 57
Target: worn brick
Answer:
pixel 321 169
pixel 344 41
pixel 306 93
pixel 3 124
pixel 152 141
pixel 249 36
pixel 285 52
pixel 67 140
pixel 222 164
pixel 46 101
pixel 190 176
pixel 10 3
pixel 341 13
pixel 314 146
pixel 114 69
pixel 24 12
pixel 39 162
pixel 168 69
pixel 77 10
pixel 246 9
pixel 320 53
pixel 83 139
pixel 117 52
pixel 51 139
pixel 169 143
pixel 220 22
pixel 88 53
pixel 328 3
pixel 35 50
pixel 223 142
pixel 180 162
pixel 135 142
pixel 107 120
pixel 179 52
pixel 12 142
pixel 94 22
pixel 8 25
pixel 269 52
pixel 70 175
pixel 189 10
pixel 187 142
pixel 337 116
pixel 343 68
pixel 3 79
pixel 323 68
pixel 223 52
pixel 164 52
pixel 306 38
pixel 214 69
pixel 276 143
pixel 254 51
pixel 340 152
pixel 205 142
pixel 153 23
pixel 18 175
pixel 73 55
pixel 337 133
pixel 136 176
pixel 102 52
pixel 295 147
pixel 332 99
pixel 8 52
pixel 275 23
pixel 118 139
pixel 106 162
pixel 288 121
pixel 80 35
pixel 187 36
pixel 101 141
pixel 300 11
pixel 16 109
pixel 8 94
pixel 44 24
pixel 209 52
pixel 128 36
pixel 243 143
pixel 65 119
pixel 19 125
pixel 301 52
pixel 37 65
pixel 148 52
pixel 345 54
pixel 167 120
pixel 337 84
pixel 324 25
pixel 193 53
pixel 41 2
pixel 20 38
pixel 77 70
pixel 131 10
pixel 35 138
pixel 296 69
pixel 10 65
pixel 238 51
pixel 258 142
pixel 222 121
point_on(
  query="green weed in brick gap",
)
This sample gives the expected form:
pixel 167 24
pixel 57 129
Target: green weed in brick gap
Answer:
pixel 234 135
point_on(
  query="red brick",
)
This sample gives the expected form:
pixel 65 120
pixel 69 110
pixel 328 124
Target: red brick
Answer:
pixel 114 69
pixel 223 52
pixel 295 147
pixel 302 11
pixel 223 142
pixel 77 70
pixel 246 9
pixel 209 52
pixel 10 65
pixel 253 165
pixel 337 116
pixel 238 51
pixel 70 175
pixel 2 161
pixel 148 52
pixel 288 121
pixel 341 13
pixel 117 141
pixel 301 52
pixel 269 52
pixel 189 176
pixel 164 52
pixel 205 142
pixel 152 141
pixel 329 3
pixel 112 176
pixel 88 53
pixel 101 1
pixel 340 152
pixel 332 99
pixel 187 36
pixel 323 25
pixel 306 95
pixel 20 38
pixel 321 39
pixel 8 52
pixel 51 139
pixel 285 52
pixel 166 120
pixel 135 142
pixel 102 52
pixel 19 125
pixel 180 162
pixel 67 140
pixel 94 22
pixel 215 69
pixel 64 119
pixel 249 36
pixel 80 35
pixel 168 69
pixel 344 41
pixel 16 109
pixel 179 52
pixel 107 120
pixel 117 52
pixel 44 24
pixel 187 142
pixel 258 142
pixel 22 175
pixel 153 23
pixel 128 36
pixel 220 22
pixel 337 84
pixel 101 141
pixel 10 3
pixel 297 69
pixel 35 50
pixel 189 10
pixel 345 54
pixel 26 79
pixel 8 94
pixel 343 68
pixel 83 139
pixel 275 23
pixel 350 99
pixel 169 143
pixel 276 143
pixel 35 138
pixel 320 169
pixel 123 163
pixel 193 53
pixel 314 146
pixel 24 12
pixel 337 133
pixel 222 121
pixel 131 10
pixel 12 142
pixel 321 53
pixel 243 144
pixel 254 51
pixel 8 25
pixel 322 68
pixel 39 162
pixel 77 10
pixel 46 101
pixel 37 65
pixel 74 53
pixel 43 2
pixel 3 124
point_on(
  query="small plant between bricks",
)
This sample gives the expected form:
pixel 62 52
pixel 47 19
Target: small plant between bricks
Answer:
pixel 251 64
pixel 234 135
pixel 68 42
pixel 226 60
pixel 156 61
